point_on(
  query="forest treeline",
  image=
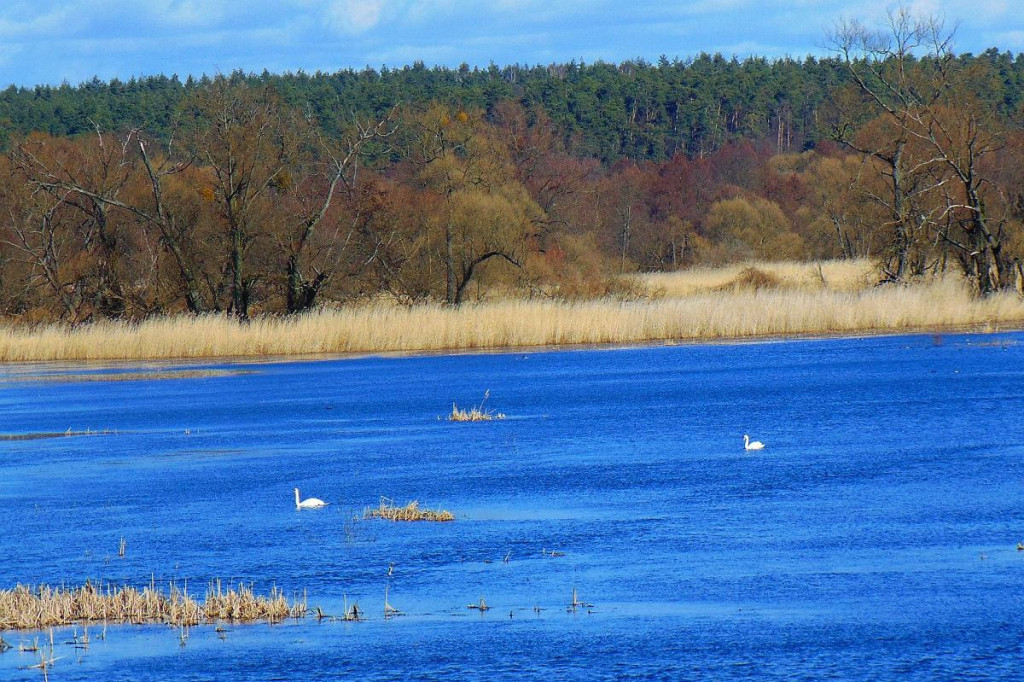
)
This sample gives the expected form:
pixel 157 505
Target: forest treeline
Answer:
pixel 637 110
pixel 277 193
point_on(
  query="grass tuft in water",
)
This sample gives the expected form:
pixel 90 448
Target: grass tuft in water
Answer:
pixel 410 512
pixel 475 414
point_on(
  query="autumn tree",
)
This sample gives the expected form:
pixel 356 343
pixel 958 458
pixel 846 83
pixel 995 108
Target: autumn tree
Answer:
pixel 244 136
pixel 626 189
pixel 393 241
pixel 122 180
pixel 177 203
pixel 541 160
pixel 842 210
pixel 80 178
pixel 563 257
pixel 752 228
pixel 676 202
pixel 480 211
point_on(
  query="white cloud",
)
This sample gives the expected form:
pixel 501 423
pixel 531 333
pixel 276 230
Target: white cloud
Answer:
pixel 15 27
pixel 425 11
pixel 1009 40
pixel 190 12
pixel 995 9
pixel 354 16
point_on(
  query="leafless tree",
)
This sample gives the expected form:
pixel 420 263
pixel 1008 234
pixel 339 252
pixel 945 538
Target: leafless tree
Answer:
pixel 934 132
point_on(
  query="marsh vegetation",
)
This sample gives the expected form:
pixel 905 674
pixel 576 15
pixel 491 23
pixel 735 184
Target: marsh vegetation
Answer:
pixel 477 413
pixel 752 300
pixel 412 511
pixel 36 608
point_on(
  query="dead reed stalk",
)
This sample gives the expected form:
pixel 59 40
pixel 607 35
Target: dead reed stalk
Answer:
pixel 578 603
pixel 389 610
pixel 482 606
pixel 410 512
pixel 475 414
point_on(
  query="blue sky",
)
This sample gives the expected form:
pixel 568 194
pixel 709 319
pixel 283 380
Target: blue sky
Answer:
pixel 51 41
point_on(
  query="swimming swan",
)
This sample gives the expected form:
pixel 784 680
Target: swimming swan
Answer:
pixel 311 503
pixel 751 445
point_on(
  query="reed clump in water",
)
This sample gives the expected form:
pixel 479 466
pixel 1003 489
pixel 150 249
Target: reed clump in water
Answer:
pixel 477 413
pixel 471 415
pixel 410 512
pixel 26 608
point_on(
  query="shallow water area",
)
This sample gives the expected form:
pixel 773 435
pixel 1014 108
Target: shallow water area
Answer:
pixel 874 536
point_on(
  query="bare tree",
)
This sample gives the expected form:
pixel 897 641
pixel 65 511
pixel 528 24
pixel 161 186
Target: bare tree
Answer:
pixel 41 243
pixel 328 167
pixel 936 130
pixel 243 136
pixel 101 187
pixel 81 178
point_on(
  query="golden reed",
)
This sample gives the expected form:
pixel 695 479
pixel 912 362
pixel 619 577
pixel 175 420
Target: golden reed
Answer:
pixel 411 512
pixel 717 309
pixel 28 608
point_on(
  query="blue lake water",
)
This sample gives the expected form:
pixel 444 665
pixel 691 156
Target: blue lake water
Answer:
pixel 874 537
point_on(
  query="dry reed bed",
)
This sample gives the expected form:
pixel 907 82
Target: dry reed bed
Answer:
pixel 835 275
pixel 25 608
pixel 410 512
pixel 734 314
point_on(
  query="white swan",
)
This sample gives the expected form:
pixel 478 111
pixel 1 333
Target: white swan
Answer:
pixel 311 503
pixel 751 445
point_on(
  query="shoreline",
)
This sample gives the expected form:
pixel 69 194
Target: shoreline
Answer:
pixel 161 363
pixel 715 316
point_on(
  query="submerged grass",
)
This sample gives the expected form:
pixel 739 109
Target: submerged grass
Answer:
pixel 678 308
pixel 387 509
pixel 57 434
pixel 28 608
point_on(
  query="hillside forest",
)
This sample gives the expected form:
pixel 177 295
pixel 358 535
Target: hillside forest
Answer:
pixel 257 193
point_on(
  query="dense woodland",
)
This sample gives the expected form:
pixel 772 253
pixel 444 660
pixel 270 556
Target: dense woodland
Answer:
pixel 277 193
